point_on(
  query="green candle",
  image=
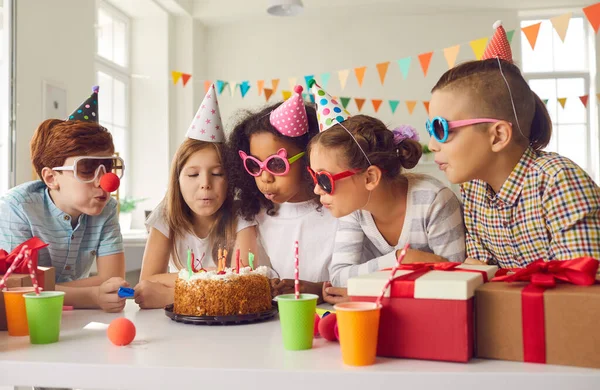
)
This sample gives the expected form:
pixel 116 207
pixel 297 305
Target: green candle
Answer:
pixel 251 259
pixel 189 262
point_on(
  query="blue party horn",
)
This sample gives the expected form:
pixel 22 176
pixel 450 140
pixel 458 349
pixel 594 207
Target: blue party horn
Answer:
pixel 125 292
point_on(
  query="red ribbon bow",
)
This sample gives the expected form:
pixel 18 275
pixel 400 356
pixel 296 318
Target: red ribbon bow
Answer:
pixel 6 259
pixel 581 271
pixel 404 286
pixel 542 275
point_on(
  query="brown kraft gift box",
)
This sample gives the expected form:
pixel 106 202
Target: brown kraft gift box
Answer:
pixel 45 276
pixel 571 315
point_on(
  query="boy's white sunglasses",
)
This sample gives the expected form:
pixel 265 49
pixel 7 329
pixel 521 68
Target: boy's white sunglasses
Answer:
pixel 87 169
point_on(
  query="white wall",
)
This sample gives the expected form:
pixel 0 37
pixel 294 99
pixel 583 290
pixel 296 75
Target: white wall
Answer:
pixel 295 47
pixel 55 42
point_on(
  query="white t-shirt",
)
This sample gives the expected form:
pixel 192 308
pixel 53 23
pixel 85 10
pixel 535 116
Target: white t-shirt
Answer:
pixel 198 245
pixel 315 231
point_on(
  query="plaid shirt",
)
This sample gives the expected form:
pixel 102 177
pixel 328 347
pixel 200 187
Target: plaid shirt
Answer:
pixel 548 208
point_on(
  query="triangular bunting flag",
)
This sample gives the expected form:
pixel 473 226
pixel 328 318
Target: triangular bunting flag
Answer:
pixel 325 79
pixel 307 79
pixel 451 53
pixel 382 69
pixel 531 32
pixel 394 105
pixel 293 82
pixel 410 104
pixel 425 60
pixel 244 87
pixel 359 103
pixel 185 77
pixel 360 74
pixel 176 76
pixel 275 84
pixel 261 85
pixel 268 93
pixel 345 101
pixel 221 86
pixel 592 13
pixel 286 94
pixel 561 24
pixel 404 65
pixel 343 76
pixel 562 101
pixel 312 98
pixel 509 35
pixel 207 84
pixel 584 100
pixel 545 101
pixel 478 47
pixel 426 105
pixel 232 87
pixel 376 104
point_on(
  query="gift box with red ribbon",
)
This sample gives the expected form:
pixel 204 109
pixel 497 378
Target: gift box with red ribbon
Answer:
pixel 547 312
pixel 427 313
pixel 19 275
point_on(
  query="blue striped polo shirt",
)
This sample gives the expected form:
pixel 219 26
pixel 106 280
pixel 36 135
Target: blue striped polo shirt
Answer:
pixel 27 210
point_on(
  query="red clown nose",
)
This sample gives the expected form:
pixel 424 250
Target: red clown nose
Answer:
pixel 110 182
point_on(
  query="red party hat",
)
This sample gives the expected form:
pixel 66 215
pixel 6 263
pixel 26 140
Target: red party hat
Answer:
pixel 498 46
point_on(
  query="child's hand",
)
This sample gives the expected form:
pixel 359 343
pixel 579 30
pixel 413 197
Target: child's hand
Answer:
pixel 153 295
pixel 471 261
pixel 334 295
pixel 417 256
pixel 286 286
pixel 107 298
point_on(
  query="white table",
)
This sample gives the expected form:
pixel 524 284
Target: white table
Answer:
pixel 170 355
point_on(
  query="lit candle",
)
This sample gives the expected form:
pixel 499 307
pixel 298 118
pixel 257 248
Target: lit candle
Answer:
pixel 237 261
pixel 224 259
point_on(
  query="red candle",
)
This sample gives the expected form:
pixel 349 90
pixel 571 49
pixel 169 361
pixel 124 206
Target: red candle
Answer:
pixel 237 261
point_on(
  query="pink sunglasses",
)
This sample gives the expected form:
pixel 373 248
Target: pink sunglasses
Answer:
pixel 276 164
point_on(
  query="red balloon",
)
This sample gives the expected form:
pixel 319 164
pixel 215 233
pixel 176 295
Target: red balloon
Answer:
pixel 317 320
pixel 109 182
pixel 121 331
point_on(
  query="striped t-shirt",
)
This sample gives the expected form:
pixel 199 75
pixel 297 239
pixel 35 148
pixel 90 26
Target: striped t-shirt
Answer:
pixel 433 223
pixel 27 210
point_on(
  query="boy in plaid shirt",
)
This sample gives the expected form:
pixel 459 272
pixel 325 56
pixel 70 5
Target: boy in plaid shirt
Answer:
pixel 520 204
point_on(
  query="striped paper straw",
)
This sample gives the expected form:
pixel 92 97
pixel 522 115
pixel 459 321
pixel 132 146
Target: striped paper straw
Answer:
pixel 13 266
pixel 32 271
pixel 296 272
pixel 389 282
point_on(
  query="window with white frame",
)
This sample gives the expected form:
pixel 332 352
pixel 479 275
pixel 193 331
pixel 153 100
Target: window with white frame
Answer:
pixel 113 77
pixel 566 70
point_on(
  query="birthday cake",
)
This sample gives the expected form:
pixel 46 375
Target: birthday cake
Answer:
pixel 222 293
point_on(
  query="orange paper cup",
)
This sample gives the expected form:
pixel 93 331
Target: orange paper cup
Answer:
pixel 16 315
pixel 358 327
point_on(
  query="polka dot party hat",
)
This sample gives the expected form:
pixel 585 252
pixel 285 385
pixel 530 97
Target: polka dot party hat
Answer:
pixel 329 110
pixel 290 117
pixel 498 46
pixel 207 124
pixel 88 110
